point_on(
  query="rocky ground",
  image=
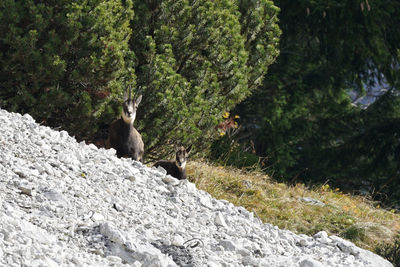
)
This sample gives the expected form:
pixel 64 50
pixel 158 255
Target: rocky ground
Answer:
pixel 65 203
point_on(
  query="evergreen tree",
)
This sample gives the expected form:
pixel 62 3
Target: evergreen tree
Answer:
pixel 196 60
pixel 65 61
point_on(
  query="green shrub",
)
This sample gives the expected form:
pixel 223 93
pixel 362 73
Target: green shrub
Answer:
pixel 65 61
pixel 196 60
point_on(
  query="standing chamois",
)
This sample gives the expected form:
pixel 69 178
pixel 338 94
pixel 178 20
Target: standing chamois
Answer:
pixel 122 136
pixel 176 168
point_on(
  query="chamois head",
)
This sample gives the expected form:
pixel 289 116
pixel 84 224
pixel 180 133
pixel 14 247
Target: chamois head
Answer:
pixel 181 156
pixel 130 106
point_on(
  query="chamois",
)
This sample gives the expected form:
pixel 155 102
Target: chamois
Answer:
pixel 176 168
pixel 122 136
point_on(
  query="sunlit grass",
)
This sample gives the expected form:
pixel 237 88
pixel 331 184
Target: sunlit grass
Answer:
pixel 352 217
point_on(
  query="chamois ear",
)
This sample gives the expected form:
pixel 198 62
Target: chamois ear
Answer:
pixel 138 99
pixel 189 148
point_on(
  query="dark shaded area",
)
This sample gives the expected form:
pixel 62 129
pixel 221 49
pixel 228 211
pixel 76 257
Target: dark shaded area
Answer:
pixel 181 255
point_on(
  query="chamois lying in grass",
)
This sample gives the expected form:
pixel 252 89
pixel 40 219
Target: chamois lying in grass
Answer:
pixel 122 136
pixel 176 168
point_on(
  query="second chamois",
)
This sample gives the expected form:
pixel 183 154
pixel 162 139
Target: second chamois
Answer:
pixel 122 136
pixel 177 167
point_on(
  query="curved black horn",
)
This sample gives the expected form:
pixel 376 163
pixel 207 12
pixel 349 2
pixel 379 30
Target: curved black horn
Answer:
pixel 130 92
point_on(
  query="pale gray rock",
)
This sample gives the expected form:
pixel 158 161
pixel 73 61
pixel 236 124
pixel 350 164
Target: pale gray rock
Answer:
pixel 322 237
pixel 168 179
pixel 308 262
pixel 111 233
pixel 27 190
pixel 303 242
pixel 97 217
pixel 57 198
pixel 206 202
pixel 178 240
pixel 220 220
pixel 312 201
pixel 228 245
pixel 244 252
pixel 161 170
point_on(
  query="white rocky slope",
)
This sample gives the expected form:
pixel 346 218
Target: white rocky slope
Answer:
pixel 65 203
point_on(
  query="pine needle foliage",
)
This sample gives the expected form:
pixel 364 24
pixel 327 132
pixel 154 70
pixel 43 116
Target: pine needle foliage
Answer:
pixel 195 61
pixel 64 61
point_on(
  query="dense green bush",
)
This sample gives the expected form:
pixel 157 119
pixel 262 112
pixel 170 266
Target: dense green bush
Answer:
pixel 196 60
pixel 65 61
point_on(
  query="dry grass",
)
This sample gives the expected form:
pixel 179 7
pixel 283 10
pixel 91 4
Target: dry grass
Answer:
pixel 352 217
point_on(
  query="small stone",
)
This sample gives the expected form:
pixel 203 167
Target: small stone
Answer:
pixel 322 237
pixel 178 240
pixel 57 197
pixel 214 263
pixel 312 201
pixel 303 242
pixel 109 231
pixel 228 245
pixel 346 246
pixel 321 234
pixel 162 170
pixel 189 187
pixel 97 217
pixel 170 180
pixel 46 147
pixel 310 263
pixel 137 164
pixel 244 252
pixel 325 240
pixel 131 178
pixel 206 202
pixel 220 221
pixel 118 207
pixel 114 259
pixel 247 183
pixel 137 178
pixel 21 173
pixel 27 190
pixel 39 167
pixel 250 261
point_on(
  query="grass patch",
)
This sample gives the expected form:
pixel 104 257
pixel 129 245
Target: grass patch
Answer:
pixel 354 218
pixel 354 232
